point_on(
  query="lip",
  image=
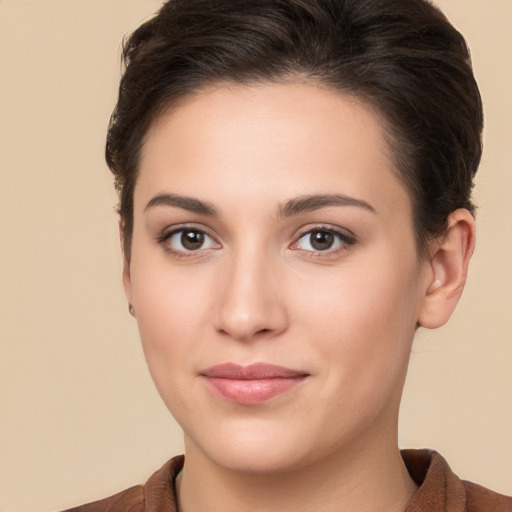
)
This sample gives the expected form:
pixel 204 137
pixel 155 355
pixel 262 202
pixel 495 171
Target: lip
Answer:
pixel 252 384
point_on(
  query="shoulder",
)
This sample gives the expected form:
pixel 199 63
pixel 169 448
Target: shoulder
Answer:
pixel 480 499
pixel 130 500
pixel 441 490
pixel 156 494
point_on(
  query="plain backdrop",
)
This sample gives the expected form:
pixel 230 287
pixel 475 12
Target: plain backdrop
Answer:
pixel 79 417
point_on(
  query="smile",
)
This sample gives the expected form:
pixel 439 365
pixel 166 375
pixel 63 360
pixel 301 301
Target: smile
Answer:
pixel 251 384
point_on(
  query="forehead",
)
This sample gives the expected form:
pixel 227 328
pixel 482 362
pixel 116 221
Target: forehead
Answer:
pixel 268 140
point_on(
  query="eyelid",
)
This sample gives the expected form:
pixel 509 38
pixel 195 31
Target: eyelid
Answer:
pixel 193 226
pixel 345 235
pixel 343 231
pixel 170 231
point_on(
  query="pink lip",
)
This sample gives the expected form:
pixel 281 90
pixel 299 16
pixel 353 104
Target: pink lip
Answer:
pixel 251 384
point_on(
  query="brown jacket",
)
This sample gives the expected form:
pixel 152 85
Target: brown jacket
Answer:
pixel 440 490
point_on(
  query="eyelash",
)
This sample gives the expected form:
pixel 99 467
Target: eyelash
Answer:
pixel 342 239
pixel 165 238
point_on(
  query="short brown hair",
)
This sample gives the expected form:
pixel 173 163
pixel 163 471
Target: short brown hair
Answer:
pixel 402 57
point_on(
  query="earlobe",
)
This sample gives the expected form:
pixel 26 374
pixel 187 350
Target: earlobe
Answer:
pixel 449 260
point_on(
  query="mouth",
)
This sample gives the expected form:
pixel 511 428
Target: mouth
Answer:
pixel 253 384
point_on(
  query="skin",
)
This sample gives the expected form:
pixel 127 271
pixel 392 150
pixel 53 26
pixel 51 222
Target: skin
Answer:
pixel 258 291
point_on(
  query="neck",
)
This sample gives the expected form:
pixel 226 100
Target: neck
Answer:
pixel 365 478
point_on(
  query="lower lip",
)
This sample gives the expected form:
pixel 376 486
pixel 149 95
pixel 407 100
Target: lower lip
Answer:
pixel 253 391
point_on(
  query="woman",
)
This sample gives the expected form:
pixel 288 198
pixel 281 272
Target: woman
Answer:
pixel 295 181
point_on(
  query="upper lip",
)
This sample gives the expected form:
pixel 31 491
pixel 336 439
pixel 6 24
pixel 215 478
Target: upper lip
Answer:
pixel 256 371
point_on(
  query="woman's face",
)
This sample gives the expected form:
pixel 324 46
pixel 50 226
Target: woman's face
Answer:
pixel 274 274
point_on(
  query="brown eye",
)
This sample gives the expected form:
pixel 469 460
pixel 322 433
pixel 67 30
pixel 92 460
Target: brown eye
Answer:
pixel 192 240
pixel 323 240
pixel 189 240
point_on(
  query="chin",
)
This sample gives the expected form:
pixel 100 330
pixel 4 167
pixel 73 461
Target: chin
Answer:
pixel 254 459
pixel 256 449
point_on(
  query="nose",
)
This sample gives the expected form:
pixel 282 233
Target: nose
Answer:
pixel 251 303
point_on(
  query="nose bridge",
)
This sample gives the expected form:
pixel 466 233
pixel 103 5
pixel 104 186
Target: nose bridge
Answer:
pixel 250 304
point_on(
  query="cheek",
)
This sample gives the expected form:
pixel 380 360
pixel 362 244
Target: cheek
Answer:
pixel 166 330
pixel 365 320
pixel 370 296
pixel 171 313
pixel 167 297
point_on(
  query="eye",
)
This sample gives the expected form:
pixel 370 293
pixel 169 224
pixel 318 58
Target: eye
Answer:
pixel 322 240
pixel 189 240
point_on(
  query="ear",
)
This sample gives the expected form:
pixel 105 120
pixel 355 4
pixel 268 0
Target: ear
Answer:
pixel 449 260
pixel 127 280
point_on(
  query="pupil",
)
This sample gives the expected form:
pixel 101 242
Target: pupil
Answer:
pixel 322 240
pixel 192 240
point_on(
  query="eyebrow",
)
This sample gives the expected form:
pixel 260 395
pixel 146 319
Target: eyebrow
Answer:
pixel 295 206
pixel 186 203
pixel 309 203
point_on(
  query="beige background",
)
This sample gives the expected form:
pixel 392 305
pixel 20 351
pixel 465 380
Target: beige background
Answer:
pixel 79 418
